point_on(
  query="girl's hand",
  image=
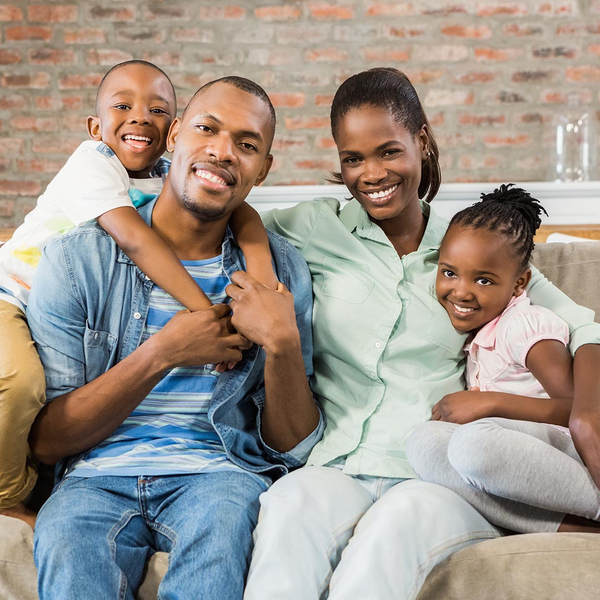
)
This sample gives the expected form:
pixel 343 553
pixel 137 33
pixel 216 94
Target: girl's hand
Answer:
pixel 463 407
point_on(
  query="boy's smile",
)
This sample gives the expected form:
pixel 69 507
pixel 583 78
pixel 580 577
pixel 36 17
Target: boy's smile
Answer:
pixel 136 106
pixel 477 276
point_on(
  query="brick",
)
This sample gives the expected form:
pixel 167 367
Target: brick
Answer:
pixel 114 15
pixel 10 146
pixel 106 57
pixel 507 141
pixel 474 77
pixel 321 164
pixel 446 97
pixel 254 35
pixel 7 208
pixel 56 103
pixel 571 29
pixel 13 101
pixel 136 35
pixel 389 9
pixel 84 36
pixel 287 100
pixel 499 9
pixel 279 56
pixel 531 76
pixel 4 165
pixel 222 13
pixel 594 49
pixel 9 57
pixel 33 81
pixel 73 122
pixel 478 33
pixel 210 57
pixel 77 82
pixel 586 74
pixel 56 145
pixel 323 99
pixel 166 12
pixel 436 119
pixel 326 143
pixel 19 34
pixel 356 31
pixel 48 56
pixel 192 82
pixel 377 55
pixel 326 55
pixel 441 53
pixel 35 124
pixel 10 12
pixel 482 120
pixel 290 34
pixel 456 140
pixel 330 12
pixel 516 30
pixel 556 9
pixel 424 77
pixel 11 187
pixel 497 54
pixel 278 13
pixel 52 14
pixel 413 31
pixel 554 52
pixel 193 34
pixel 307 122
pixel 283 144
pixel 508 97
pixel 533 118
pixel 445 11
pixel 164 59
pixel 487 161
pixel 39 166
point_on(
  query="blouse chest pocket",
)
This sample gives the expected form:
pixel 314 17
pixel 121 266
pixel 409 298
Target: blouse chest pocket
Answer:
pixel 345 281
pixel 99 351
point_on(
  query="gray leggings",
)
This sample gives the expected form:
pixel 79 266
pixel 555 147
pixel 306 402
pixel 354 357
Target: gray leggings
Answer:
pixel 519 475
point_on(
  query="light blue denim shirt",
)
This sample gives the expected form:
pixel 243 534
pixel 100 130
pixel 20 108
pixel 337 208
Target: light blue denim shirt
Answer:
pixel 87 310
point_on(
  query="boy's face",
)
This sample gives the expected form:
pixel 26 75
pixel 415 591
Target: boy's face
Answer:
pixel 135 108
pixel 477 276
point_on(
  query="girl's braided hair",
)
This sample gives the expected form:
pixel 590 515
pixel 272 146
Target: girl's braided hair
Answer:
pixel 510 211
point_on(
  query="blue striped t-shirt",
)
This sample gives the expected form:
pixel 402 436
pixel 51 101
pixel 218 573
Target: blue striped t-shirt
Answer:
pixel 169 433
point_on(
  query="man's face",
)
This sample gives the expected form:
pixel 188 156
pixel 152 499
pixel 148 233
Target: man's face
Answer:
pixel 136 107
pixel 220 150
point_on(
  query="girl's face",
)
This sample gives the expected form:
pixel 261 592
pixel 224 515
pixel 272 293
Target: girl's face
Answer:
pixel 380 160
pixel 477 276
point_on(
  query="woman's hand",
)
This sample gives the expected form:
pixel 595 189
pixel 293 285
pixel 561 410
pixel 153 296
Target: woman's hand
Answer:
pixel 464 407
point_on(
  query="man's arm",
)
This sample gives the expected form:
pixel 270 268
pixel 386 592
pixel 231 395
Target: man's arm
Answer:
pixel 82 413
pixel 268 318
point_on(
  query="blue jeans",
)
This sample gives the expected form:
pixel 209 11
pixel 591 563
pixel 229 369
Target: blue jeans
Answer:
pixel 94 535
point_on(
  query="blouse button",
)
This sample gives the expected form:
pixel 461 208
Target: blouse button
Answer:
pixel 377 345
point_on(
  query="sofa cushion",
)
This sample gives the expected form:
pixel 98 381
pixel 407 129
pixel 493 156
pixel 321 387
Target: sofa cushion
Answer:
pixel 18 576
pixel 520 567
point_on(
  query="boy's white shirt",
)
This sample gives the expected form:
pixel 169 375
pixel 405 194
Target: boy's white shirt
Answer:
pixel 91 183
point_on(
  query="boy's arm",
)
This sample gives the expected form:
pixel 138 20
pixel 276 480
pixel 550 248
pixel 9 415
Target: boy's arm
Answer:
pixel 251 235
pixel 153 256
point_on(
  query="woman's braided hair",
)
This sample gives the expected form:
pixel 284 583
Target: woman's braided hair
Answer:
pixel 510 211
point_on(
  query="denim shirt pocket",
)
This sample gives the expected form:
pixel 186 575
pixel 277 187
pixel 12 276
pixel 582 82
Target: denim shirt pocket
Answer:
pixel 99 348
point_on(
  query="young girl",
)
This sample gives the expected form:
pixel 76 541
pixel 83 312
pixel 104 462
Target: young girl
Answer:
pixel 384 353
pixel 519 373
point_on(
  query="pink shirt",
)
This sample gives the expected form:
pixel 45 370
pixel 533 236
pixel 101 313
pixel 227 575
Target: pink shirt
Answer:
pixel 496 355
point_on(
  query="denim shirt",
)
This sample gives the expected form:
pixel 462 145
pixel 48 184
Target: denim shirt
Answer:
pixel 87 310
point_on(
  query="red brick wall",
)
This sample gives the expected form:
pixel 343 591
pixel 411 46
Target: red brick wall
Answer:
pixel 490 73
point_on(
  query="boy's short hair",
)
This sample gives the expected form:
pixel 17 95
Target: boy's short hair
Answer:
pixel 126 64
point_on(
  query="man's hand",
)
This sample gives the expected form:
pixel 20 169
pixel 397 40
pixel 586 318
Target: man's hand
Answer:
pixel 262 315
pixel 200 338
pixel 585 430
pixel 463 407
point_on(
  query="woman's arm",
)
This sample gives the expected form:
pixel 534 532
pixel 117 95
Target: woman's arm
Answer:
pixel 153 256
pixel 252 237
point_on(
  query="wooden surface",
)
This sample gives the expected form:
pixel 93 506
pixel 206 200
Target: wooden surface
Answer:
pixel 591 232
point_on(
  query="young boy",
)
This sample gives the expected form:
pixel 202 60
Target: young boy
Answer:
pixel 104 179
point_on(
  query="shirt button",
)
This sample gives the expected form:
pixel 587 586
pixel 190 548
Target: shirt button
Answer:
pixel 137 315
pixel 146 278
pixel 377 345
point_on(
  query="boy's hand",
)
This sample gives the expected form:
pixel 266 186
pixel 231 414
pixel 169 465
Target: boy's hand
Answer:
pixel 463 407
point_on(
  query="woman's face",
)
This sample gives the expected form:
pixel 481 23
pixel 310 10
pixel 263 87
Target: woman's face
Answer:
pixel 380 160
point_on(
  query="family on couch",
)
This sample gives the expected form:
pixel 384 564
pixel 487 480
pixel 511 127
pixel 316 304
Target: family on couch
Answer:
pixel 156 453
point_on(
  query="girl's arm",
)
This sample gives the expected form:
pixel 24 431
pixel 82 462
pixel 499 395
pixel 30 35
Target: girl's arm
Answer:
pixel 550 363
pixel 153 256
pixel 252 237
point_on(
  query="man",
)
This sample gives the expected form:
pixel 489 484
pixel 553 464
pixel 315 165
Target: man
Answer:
pixel 165 455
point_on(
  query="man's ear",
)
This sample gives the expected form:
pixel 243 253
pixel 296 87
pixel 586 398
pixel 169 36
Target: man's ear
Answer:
pixel 265 169
pixel 93 128
pixel 522 282
pixel 173 133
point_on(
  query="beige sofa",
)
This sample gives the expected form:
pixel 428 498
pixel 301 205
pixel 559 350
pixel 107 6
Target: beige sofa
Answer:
pixel 522 567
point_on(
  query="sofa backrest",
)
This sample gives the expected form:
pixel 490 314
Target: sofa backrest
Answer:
pixel 573 268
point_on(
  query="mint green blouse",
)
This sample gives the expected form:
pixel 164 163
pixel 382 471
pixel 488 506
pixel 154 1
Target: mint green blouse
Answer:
pixel 384 349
